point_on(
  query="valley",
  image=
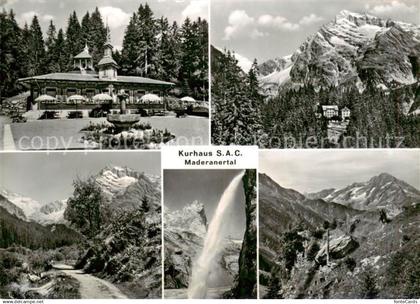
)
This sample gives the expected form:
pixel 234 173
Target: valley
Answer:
pixel 86 246
pixel 361 241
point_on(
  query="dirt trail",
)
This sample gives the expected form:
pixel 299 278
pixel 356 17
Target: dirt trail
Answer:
pixel 92 287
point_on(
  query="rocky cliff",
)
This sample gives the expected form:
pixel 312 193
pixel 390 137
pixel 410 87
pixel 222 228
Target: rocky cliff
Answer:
pixel 326 249
pixel 246 283
pixel 185 231
pixel 127 251
pixel 350 50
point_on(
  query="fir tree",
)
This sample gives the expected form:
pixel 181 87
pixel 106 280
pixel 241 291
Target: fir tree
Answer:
pixel 168 50
pixel 51 61
pixel 74 39
pixel 85 27
pixel 11 55
pixel 369 288
pixel 36 49
pixel 97 36
pixel 60 51
pixel 129 53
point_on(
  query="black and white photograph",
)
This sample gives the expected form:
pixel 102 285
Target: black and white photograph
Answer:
pixel 210 234
pixel 105 74
pixel 316 74
pixel 339 224
pixel 80 226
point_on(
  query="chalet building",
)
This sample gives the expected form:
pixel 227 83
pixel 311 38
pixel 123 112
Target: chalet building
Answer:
pixel 86 82
pixel 345 113
pixel 330 111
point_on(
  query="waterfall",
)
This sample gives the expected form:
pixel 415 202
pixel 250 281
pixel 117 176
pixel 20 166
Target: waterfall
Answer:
pixel 213 242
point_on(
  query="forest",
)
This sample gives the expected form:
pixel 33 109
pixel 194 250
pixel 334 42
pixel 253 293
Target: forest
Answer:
pixel 242 115
pixel 174 52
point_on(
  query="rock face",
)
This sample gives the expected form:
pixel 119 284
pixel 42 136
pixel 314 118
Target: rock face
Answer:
pixel 338 248
pixel 293 252
pixel 350 50
pixel 380 192
pixel 184 236
pixel 185 231
pixel 123 187
pixel 128 249
pixel 246 283
pixel 30 210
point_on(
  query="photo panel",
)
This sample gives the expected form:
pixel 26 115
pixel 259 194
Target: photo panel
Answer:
pixel 104 74
pixel 339 224
pixel 210 234
pixel 315 74
pixel 80 225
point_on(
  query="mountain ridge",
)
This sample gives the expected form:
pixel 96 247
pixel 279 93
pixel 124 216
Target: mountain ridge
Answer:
pixel 349 50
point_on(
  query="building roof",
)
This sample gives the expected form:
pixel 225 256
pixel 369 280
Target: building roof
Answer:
pixel 330 108
pixel 345 109
pixel 107 60
pixel 94 78
pixel 84 54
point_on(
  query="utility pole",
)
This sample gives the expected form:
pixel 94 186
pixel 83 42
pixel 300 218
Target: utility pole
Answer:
pixel 328 246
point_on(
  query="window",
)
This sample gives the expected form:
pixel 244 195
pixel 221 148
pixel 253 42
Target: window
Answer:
pixel 71 91
pixel 51 91
pixel 89 93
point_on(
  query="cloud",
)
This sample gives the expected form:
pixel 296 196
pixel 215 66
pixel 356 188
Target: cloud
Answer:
pixel 7 2
pixel 196 8
pixel 277 22
pixel 115 16
pixel 394 7
pixel 310 19
pixel 47 17
pixel 28 16
pixel 241 25
pixel 309 171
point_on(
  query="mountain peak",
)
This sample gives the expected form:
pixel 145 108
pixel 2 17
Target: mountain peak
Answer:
pixel 191 217
pixel 358 19
pixel 384 177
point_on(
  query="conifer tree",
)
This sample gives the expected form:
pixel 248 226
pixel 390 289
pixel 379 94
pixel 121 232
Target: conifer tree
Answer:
pixel 86 28
pixel 60 51
pixel 36 49
pixel 97 36
pixel 51 58
pixel 11 55
pixel 74 39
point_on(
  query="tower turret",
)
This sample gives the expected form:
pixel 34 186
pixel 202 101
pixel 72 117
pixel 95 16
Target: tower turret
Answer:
pixel 83 61
pixel 107 65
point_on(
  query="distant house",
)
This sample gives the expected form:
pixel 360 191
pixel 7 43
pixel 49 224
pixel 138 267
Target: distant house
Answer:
pixel 330 111
pixel 345 113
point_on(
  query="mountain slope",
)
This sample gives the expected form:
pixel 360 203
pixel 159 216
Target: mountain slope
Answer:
pixel 293 248
pixel 15 231
pixel 123 188
pixel 185 231
pixel 351 50
pixel 380 192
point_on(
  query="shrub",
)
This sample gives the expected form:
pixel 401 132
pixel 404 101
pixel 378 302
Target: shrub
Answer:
pixel 369 289
pixel 313 250
pixel 350 263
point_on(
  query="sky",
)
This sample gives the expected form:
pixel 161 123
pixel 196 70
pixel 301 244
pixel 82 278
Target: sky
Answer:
pixel 315 170
pixel 266 29
pixel 47 177
pixel 118 12
pixel 182 187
